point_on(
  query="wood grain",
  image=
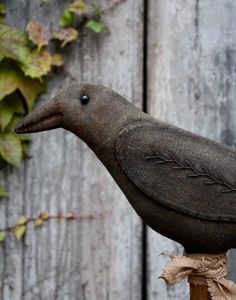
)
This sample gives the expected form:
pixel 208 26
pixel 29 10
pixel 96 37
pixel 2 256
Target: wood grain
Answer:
pixel 199 292
pixel 99 259
pixel 191 84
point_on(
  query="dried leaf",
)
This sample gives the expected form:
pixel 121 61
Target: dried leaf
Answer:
pixel 10 148
pixel 38 222
pixel 57 60
pixel 2 236
pixel 96 26
pixel 12 78
pixel 37 34
pixel 70 216
pixel 22 220
pixel 14 44
pixel 67 19
pixel 3 193
pixel 20 231
pixel 78 7
pixel 66 35
pixel 44 215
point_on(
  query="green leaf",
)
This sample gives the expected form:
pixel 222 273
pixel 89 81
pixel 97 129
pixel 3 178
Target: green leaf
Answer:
pixel 66 35
pixel 24 149
pixel 12 124
pixel 2 9
pixel 57 60
pixel 23 137
pixel 10 148
pixel 2 236
pixel 97 9
pixel 38 222
pixel 14 44
pixel 14 102
pixel 8 107
pixel 6 115
pixel 20 231
pixel 37 34
pixel 96 26
pixel 3 193
pixel 67 19
pixel 22 220
pixel 36 64
pixel 12 78
pixel 78 7
pixel 2 13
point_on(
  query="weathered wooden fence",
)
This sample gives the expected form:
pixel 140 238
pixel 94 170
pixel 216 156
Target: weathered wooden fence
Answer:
pixel 176 58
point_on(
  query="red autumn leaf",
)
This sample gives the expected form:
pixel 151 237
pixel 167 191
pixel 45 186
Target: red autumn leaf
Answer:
pixel 37 34
pixel 66 35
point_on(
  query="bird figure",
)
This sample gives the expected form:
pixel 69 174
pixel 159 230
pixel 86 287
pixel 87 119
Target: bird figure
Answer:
pixel 182 185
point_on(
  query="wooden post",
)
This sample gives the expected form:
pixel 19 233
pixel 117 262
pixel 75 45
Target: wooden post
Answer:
pixel 191 84
pixel 199 292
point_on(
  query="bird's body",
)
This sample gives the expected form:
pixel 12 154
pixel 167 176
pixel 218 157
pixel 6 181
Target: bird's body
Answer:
pixel 182 185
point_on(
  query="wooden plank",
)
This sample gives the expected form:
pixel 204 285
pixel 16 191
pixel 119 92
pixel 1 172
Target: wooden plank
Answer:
pixel 191 84
pixel 99 259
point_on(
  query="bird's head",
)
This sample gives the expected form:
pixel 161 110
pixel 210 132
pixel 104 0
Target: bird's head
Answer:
pixel 91 112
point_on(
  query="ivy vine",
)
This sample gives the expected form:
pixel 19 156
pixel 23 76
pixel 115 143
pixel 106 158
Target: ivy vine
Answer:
pixel 20 228
pixel 26 61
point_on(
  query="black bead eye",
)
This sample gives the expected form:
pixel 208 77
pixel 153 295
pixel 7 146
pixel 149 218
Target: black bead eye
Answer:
pixel 84 99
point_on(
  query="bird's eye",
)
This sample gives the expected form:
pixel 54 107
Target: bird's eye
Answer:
pixel 84 99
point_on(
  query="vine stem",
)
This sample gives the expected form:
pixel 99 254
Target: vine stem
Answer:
pixel 60 216
pixel 112 5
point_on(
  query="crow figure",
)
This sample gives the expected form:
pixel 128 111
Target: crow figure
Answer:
pixel 182 185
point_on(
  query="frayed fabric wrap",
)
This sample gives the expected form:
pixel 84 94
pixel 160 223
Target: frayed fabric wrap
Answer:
pixel 202 269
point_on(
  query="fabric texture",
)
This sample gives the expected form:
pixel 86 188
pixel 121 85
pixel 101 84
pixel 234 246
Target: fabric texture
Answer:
pixel 202 269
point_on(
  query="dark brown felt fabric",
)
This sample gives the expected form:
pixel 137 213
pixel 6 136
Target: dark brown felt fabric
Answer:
pixel 185 172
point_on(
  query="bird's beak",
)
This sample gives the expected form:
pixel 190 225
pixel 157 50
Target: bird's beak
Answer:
pixel 45 117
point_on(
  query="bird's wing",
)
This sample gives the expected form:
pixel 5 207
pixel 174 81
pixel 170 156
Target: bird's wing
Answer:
pixel 180 170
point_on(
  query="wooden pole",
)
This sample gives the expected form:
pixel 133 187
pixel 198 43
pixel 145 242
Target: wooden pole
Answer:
pixel 199 292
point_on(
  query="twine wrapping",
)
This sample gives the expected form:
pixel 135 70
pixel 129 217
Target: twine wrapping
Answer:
pixel 202 269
